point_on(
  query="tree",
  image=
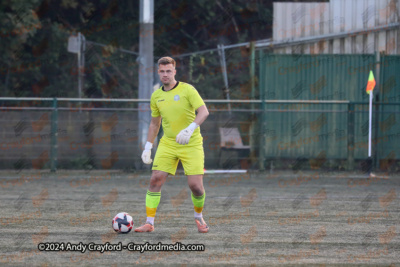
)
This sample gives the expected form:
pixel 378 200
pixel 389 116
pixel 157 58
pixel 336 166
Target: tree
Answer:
pixel 35 60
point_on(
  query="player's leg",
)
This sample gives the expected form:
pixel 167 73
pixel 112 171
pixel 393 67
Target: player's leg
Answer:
pixel 165 162
pixel 153 197
pixel 192 158
pixel 195 183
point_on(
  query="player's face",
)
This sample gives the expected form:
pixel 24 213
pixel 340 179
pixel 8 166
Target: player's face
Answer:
pixel 166 73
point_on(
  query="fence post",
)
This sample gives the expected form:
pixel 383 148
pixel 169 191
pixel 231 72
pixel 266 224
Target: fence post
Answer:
pixel 350 136
pixel 378 109
pixel 262 124
pixel 222 60
pixel 54 135
pixel 252 73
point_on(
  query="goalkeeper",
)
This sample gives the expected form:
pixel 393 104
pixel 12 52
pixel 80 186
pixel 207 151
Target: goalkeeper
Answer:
pixel 175 103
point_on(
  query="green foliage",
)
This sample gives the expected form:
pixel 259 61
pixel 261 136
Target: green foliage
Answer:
pixel 34 36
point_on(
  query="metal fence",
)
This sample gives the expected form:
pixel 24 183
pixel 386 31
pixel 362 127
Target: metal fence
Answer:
pixel 325 129
pixel 102 134
pixel 308 112
pixel 70 133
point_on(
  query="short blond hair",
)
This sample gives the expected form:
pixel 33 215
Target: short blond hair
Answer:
pixel 166 61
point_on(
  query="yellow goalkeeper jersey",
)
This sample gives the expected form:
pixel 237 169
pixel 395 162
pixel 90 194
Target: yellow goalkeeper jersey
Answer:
pixel 177 109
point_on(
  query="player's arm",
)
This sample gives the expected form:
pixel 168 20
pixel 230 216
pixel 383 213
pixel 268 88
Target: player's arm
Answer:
pixel 151 136
pixel 184 136
pixel 202 114
pixel 153 129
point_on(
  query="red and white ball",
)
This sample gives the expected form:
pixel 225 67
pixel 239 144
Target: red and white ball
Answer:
pixel 122 223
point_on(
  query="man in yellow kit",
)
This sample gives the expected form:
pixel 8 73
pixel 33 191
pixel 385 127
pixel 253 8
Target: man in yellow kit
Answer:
pixel 175 103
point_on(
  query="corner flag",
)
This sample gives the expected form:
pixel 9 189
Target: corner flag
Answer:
pixel 370 87
pixel 371 82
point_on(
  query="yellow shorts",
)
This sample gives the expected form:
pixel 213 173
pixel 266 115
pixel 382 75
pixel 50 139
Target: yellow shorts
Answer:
pixel 169 152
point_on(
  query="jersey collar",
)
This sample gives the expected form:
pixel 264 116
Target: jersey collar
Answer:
pixel 177 82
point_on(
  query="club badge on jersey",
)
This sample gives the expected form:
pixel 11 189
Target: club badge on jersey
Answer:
pixel 176 97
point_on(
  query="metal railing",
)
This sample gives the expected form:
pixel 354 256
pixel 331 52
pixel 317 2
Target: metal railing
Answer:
pixel 54 107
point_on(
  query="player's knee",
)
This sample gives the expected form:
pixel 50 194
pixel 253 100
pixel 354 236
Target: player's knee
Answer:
pixel 156 180
pixel 155 185
pixel 196 189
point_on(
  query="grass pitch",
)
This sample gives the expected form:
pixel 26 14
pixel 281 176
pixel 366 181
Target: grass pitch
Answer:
pixel 255 219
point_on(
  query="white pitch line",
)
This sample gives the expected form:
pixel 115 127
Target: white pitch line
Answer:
pixel 225 171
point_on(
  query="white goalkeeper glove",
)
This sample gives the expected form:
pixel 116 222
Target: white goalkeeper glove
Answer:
pixel 184 136
pixel 146 155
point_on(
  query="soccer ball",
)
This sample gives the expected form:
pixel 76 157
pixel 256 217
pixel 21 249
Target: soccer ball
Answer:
pixel 122 223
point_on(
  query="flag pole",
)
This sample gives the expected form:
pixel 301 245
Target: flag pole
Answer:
pixel 370 125
pixel 370 87
pixel 369 159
